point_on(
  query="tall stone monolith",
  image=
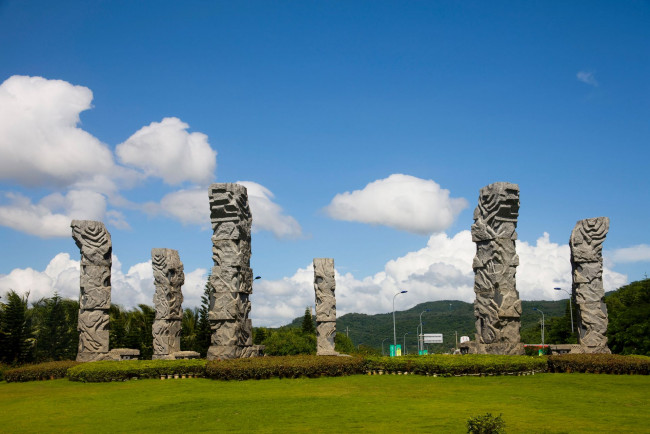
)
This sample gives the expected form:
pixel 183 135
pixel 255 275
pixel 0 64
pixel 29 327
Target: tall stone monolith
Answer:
pixel 231 280
pixel 324 286
pixel 167 300
pixel 586 244
pixel 497 307
pixel 94 243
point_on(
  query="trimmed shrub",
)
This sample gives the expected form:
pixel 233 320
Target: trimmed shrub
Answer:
pixel 486 424
pixel 41 371
pixel 284 367
pixel 108 370
pixel 447 365
pixel 599 364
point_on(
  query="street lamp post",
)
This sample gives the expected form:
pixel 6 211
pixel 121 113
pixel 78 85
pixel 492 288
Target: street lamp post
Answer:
pixel 570 305
pixel 405 342
pixel 382 346
pixel 419 338
pixel 394 330
pixel 540 311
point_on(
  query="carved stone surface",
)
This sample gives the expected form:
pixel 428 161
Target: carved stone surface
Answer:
pixel 168 299
pixel 324 286
pixel 95 246
pixel 497 307
pixel 586 245
pixel 231 280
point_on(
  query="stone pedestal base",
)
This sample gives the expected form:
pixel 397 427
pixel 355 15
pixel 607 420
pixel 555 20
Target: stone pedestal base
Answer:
pixel 225 352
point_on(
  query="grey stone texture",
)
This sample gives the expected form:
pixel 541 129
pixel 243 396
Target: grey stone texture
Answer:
pixel 497 307
pixel 324 287
pixel 168 299
pixel 586 244
pixel 95 245
pixel 231 280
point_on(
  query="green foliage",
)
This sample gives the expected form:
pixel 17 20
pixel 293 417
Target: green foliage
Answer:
pixel 486 424
pixel 3 368
pixel 204 333
pixel 260 334
pixel 42 371
pixel 446 365
pixel 102 371
pixel 628 308
pixel 599 364
pixel 55 327
pixel 289 341
pixel 308 326
pixel 284 367
pixel 343 344
pixel 16 340
pixel 189 330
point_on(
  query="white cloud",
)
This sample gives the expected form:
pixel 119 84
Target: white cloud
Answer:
pixel 165 149
pixel 400 201
pixel 51 216
pixel 191 206
pixel 268 215
pixel 40 142
pixel 60 275
pixel 587 78
pixel 128 289
pixel 440 271
pixel 638 253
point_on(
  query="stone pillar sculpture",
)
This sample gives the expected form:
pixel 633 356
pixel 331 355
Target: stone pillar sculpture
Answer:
pixel 168 299
pixel 497 307
pixel 94 243
pixel 231 280
pixel 324 286
pixel 586 244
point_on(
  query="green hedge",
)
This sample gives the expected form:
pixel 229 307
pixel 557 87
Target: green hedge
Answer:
pixel 42 371
pixel 599 364
pixel 94 372
pixel 284 367
pixel 442 364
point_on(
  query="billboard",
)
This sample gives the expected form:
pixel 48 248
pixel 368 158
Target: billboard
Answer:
pixel 432 338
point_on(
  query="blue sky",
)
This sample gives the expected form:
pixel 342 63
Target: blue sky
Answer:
pixel 115 110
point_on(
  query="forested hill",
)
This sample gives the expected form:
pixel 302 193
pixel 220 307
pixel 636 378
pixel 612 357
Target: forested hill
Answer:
pixel 445 316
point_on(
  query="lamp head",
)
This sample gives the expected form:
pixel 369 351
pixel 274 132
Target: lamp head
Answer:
pixel 403 292
pixel 558 289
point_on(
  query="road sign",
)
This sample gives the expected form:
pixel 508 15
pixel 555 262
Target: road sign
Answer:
pixel 432 338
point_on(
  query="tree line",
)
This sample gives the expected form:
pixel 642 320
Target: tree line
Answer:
pixel 46 329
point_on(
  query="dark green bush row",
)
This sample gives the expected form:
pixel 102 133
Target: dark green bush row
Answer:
pixel 101 371
pixel 441 364
pixel 599 364
pixel 284 367
pixel 41 371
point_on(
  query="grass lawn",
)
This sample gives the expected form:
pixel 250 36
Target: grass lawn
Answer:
pixel 539 403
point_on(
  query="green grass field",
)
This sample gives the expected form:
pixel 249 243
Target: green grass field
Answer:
pixel 539 403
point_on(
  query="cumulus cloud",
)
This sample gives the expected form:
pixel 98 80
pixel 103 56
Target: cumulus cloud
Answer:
pixel 40 141
pixel 128 289
pixel 587 78
pixel 60 275
pixel 440 271
pixel 51 216
pixel 191 206
pixel 165 149
pixel 638 253
pixel 268 215
pixel 402 202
